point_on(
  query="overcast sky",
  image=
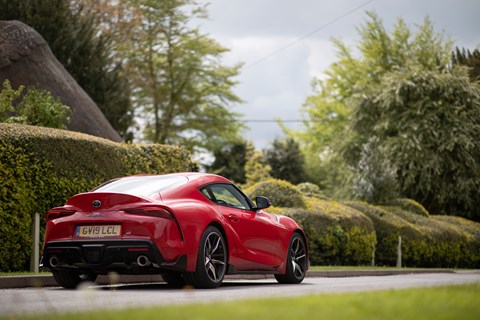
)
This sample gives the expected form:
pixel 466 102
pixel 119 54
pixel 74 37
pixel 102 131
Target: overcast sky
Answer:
pixel 274 82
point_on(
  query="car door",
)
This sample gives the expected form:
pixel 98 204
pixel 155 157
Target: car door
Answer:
pixel 256 231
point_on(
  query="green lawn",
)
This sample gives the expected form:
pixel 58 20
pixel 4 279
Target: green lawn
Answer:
pixel 450 302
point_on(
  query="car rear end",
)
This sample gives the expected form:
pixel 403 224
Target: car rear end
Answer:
pixel 100 232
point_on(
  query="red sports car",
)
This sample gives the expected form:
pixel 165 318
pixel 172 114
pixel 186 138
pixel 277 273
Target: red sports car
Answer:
pixel 193 228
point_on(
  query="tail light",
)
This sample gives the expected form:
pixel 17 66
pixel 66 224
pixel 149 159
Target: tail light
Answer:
pixel 59 213
pixel 151 212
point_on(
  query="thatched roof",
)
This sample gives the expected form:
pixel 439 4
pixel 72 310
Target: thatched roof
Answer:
pixel 26 59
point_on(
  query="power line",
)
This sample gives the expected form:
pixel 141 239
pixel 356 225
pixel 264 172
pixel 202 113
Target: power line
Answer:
pixel 272 120
pixel 306 36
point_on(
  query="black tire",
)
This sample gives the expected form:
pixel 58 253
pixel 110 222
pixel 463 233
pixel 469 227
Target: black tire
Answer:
pixel 174 279
pixel 211 261
pixel 296 261
pixel 71 278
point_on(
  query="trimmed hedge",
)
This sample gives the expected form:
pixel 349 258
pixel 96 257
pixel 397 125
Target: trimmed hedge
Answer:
pixel 427 241
pixel 41 168
pixel 282 193
pixel 311 190
pixel 336 234
pixel 410 205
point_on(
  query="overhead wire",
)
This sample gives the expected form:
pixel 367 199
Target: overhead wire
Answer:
pixel 306 36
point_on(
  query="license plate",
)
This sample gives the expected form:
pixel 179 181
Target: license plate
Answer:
pixel 98 231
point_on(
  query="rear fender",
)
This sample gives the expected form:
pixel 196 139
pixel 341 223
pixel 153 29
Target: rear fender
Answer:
pixel 193 219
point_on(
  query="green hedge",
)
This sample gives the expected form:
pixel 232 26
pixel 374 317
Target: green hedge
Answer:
pixel 337 234
pixel 40 168
pixel 427 240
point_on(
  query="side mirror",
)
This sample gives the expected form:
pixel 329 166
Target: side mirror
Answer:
pixel 262 203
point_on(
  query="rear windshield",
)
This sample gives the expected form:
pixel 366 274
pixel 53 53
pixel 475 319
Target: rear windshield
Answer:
pixel 141 185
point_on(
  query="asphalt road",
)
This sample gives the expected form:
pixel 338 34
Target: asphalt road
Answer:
pixel 58 300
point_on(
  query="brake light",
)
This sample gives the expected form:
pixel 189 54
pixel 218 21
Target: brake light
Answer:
pixel 59 213
pixel 151 212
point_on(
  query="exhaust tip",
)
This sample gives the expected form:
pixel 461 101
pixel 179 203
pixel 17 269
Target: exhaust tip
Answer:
pixel 53 261
pixel 143 261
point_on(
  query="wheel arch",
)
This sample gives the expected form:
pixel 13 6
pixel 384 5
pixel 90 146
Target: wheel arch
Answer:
pixel 219 226
pixel 305 239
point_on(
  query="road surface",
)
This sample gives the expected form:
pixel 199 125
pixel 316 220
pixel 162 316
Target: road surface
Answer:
pixel 59 300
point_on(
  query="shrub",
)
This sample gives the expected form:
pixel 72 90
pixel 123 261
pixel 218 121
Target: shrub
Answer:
pixel 37 107
pixel 41 168
pixel 310 190
pixel 336 234
pixel 431 241
pixel 410 206
pixel 281 193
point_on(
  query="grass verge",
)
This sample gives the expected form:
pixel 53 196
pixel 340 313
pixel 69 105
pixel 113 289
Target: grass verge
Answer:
pixel 449 302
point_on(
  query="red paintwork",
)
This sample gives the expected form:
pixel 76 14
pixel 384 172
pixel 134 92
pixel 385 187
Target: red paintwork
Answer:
pixel 257 240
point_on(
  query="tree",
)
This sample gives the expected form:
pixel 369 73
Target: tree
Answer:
pixel 286 161
pixel 180 86
pixel 230 160
pixel 328 137
pixel 78 43
pixel 426 126
pixel 469 59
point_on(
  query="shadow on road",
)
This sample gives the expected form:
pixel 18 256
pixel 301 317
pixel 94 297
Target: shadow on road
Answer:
pixel 164 286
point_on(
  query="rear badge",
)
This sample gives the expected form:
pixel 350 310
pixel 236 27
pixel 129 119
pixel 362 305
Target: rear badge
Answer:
pixel 96 203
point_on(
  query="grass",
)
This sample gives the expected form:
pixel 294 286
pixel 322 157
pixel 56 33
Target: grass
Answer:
pixel 24 273
pixel 449 302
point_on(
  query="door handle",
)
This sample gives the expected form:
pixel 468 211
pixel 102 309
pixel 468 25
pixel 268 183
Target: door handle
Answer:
pixel 233 218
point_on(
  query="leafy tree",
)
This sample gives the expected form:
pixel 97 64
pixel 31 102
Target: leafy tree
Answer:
pixel 286 160
pixel 470 59
pixel 78 43
pixel 35 107
pixel 328 137
pixel 230 160
pixel 426 123
pixel 179 84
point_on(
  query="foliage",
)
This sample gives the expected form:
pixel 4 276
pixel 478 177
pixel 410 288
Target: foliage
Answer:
pixel 427 130
pixel 180 86
pixel 230 161
pixel 35 107
pixel 8 95
pixel 468 59
pixel 309 189
pixel 380 52
pixel 256 170
pixel 409 205
pixel 336 234
pixel 41 168
pixel 375 178
pixel 77 42
pixel 286 161
pixel 402 119
pixel 427 241
pixel 281 193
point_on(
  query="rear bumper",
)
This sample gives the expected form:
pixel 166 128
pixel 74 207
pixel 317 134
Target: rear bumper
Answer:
pixel 102 257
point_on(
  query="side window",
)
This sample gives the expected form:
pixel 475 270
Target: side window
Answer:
pixel 225 195
pixel 207 194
